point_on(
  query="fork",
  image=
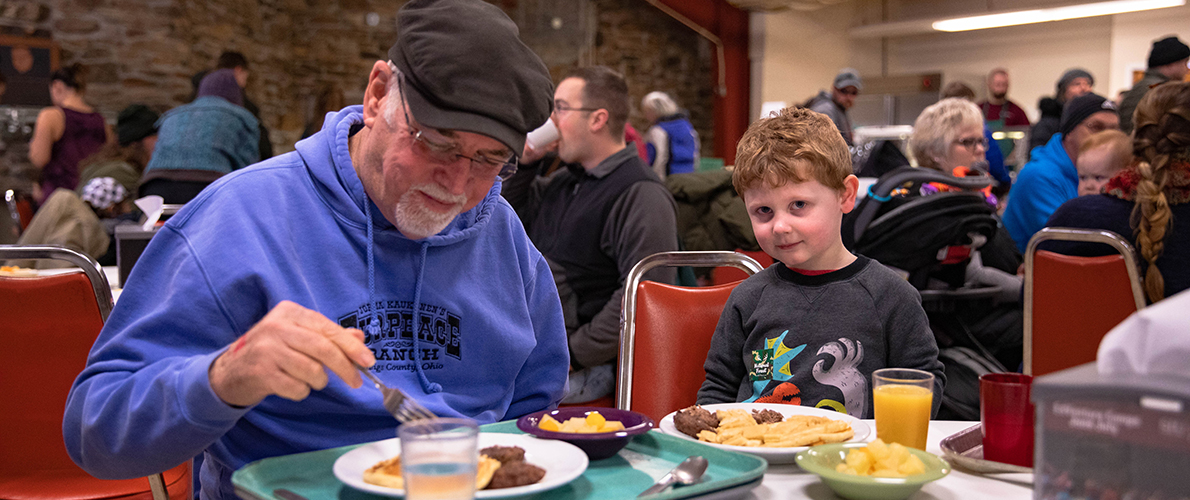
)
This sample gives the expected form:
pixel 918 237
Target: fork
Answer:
pixel 404 408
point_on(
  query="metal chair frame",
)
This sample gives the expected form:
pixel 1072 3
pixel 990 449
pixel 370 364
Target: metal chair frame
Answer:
pixel 628 312
pixel 1112 239
pixel 103 296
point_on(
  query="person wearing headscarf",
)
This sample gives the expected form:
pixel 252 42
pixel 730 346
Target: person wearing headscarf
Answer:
pixel 201 141
pixel 83 222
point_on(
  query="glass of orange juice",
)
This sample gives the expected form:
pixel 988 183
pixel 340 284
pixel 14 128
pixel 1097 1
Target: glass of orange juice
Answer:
pixel 439 458
pixel 903 398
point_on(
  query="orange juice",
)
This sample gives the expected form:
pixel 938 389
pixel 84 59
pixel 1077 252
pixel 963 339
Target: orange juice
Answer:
pixel 903 414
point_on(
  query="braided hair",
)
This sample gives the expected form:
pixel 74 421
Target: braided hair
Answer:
pixel 1162 137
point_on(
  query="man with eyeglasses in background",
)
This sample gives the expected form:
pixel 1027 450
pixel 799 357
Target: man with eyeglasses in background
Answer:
pixel 381 243
pixel 1050 177
pixel 594 218
pixel 841 98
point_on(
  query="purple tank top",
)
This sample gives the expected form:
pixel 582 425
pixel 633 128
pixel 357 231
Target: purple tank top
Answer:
pixel 83 135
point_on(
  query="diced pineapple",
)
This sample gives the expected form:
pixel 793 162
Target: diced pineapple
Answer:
pixel 860 461
pixel 548 423
pixel 612 426
pixel 573 425
pixel 595 420
pixel 912 465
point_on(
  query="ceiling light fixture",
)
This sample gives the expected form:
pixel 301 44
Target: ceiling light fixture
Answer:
pixel 1052 14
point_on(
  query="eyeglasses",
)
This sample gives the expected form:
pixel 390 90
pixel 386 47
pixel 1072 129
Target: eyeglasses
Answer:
pixel 442 150
pixel 973 142
pixel 848 91
pixel 560 106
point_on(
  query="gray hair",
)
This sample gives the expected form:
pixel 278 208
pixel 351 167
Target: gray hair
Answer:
pixel 660 102
pixel 938 126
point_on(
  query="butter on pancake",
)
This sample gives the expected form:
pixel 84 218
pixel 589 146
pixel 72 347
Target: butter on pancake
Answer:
pixel 387 473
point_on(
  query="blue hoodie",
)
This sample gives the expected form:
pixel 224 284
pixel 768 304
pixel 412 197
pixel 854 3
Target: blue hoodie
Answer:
pixel 1043 185
pixel 490 342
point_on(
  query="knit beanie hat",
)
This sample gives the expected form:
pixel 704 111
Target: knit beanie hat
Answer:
pixel 222 83
pixel 1167 50
pixel 135 123
pixel 1068 78
pixel 1082 107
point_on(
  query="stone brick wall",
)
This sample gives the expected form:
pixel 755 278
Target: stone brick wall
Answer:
pixel 145 51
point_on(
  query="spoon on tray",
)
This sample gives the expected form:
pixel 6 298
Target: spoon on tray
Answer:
pixel 688 472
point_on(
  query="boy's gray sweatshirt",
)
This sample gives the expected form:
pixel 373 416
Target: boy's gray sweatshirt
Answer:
pixel 786 337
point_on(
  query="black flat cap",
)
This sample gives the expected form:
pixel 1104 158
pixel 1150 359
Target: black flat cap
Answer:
pixel 466 69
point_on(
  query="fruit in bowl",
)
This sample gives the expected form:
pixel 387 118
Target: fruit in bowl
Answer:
pixel 863 478
pixel 599 432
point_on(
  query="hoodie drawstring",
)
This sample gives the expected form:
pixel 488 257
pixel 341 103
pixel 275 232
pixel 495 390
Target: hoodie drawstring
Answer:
pixel 374 326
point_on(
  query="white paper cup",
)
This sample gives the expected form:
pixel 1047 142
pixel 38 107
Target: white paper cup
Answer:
pixel 543 136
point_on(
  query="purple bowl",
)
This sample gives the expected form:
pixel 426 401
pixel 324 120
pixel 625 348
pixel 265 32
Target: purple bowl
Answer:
pixel 599 445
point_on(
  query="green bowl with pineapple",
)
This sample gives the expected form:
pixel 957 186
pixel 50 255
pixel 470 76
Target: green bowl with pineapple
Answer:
pixel 872 471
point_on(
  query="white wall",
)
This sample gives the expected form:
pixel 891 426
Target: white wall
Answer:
pixel 800 52
pixel 1035 56
pixel 1133 35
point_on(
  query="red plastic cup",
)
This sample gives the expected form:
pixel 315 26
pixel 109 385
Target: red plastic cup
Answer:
pixel 1006 413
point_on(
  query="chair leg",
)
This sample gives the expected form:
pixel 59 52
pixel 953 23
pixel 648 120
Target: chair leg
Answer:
pixel 157 485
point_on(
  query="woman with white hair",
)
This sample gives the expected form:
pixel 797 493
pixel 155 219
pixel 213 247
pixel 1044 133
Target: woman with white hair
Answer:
pixel 949 134
pixel 671 141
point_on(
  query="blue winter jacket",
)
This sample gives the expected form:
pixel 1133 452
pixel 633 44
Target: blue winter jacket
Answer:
pixel 207 134
pixel 1043 185
pixel 468 321
pixel 683 145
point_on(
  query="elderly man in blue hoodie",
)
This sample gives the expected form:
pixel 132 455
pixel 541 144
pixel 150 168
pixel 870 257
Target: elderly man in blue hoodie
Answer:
pixel 382 242
pixel 1049 179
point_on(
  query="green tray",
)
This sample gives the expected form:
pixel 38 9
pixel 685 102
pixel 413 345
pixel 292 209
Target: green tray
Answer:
pixel 646 458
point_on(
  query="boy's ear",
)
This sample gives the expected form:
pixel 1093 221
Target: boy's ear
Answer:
pixel 847 197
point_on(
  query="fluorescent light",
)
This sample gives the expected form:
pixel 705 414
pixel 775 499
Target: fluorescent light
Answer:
pixel 1052 14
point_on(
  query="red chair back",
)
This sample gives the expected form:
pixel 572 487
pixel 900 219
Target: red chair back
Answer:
pixel 665 333
pixel 1071 302
pixel 674 326
pixel 724 275
pixel 48 327
pixel 51 323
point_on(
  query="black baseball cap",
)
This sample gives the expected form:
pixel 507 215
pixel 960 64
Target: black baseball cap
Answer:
pixel 466 69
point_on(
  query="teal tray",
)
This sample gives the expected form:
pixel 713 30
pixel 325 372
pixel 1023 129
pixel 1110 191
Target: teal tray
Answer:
pixel 631 471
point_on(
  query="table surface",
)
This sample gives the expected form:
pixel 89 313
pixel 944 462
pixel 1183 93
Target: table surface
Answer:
pixel 788 481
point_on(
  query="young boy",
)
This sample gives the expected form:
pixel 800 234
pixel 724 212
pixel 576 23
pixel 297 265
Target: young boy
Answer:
pixel 811 329
pixel 1100 157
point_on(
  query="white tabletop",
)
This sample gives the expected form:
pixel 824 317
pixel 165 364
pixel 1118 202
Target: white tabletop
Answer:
pixel 787 481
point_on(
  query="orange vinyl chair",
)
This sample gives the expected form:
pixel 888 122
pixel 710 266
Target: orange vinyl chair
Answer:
pixel 48 327
pixel 666 332
pixel 1072 302
pixel 724 275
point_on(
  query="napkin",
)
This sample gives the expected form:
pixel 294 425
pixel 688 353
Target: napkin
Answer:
pixel 1153 341
pixel 152 206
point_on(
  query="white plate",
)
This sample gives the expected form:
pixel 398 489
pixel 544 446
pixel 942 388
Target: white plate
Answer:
pixel 562 462
pixel 772 455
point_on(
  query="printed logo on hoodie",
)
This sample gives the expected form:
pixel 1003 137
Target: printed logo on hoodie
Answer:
pixel 393 343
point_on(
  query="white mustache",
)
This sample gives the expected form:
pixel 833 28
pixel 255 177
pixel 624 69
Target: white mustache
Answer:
pixel 435 191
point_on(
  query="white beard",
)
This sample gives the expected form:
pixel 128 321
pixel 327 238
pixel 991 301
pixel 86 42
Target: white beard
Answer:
pixel 416 221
